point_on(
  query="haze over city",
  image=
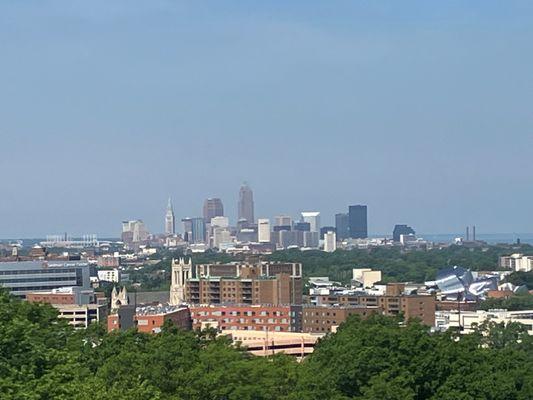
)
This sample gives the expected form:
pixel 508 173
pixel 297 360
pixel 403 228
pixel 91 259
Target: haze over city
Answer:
pixel 417 109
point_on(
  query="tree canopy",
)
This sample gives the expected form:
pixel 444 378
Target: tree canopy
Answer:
pixel 43 358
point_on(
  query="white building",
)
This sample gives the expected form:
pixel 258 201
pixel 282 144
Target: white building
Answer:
pixel 220 222
pixel 517 262
pixel 109 275
pixel 221 237
pixel 405 239
pixel 282 220
pixel 466 319
pixel 263 230
pixel 170 220
pixel 330 242
pixel 313 218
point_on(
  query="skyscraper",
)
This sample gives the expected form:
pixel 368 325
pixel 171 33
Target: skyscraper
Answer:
pixel 342 226
pixel 330 242
pixel 357 221
pixel 246 204
pixel 313 218
pixel 170 220
pixel 263 230
pixel 213 208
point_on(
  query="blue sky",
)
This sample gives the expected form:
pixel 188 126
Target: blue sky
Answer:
pixel 421 110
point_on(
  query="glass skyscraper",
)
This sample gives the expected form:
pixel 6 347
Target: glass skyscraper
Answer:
pixel 357 221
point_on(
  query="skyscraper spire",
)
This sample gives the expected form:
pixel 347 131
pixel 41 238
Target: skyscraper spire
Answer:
pixel 170 220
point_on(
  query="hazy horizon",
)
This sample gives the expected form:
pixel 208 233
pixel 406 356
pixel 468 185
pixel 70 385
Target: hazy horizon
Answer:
pixel 420 110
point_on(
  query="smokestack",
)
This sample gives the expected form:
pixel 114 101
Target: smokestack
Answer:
pixel 474 233
pixel 467 233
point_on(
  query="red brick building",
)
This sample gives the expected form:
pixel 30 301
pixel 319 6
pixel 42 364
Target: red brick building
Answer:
pixel 245 317
pixel 150 319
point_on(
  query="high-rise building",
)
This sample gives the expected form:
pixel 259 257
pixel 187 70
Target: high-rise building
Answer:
pixel 342 226
pixel 357 222
pixel 213 208
pixel 401 230
pixel 187 229
pixel 313 218
pixel 170 220
pixel 134 231
pixel 198 230
pixel 246 204
pixel 330 242
pixel 283 220
pixel 239 283
pixel 263 230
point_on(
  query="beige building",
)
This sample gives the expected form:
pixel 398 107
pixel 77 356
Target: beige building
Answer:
pixel 81 316
pixel 468 319
pixel 366 276
pixel 264 343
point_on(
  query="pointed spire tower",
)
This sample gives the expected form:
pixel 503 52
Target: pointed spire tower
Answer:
pixel 170 220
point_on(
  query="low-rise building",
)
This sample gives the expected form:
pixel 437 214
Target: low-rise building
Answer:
pixel 466 321
pixel 517 262
pixel 246 317
pixel 149 319
pixel 320 319
pixel 267 343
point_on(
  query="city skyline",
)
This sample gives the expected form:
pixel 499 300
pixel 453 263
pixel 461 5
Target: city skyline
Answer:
pixel 419 111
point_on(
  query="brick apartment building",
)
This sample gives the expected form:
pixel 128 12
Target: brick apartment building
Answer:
pixel 236 283
pixel 246 317
pixel 392 303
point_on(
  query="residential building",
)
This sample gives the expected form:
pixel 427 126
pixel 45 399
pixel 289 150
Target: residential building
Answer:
pixel 256 317
pixel 357 221
pixel 246 204
pixel 263 230
pixel 22 277
pixel 236 283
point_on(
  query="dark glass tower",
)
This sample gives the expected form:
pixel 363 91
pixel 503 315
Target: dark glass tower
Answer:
pixel 357 220
pixel 342 226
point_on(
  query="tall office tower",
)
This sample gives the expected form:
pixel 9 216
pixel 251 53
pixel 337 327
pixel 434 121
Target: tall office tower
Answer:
pixel 170 219
pixel 342 226
pixel 400 230
pixel 263 230
pixel 187 229
pixel 246 204
pixel 197 230
pixel 313 218
pixel 357 222
pixel 330 241
pixel 283 220
pixel 213 208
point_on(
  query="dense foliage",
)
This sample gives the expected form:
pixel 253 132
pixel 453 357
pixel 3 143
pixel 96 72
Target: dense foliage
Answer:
pixel 41 358
pixel 513 303
pixel 396 264
pixel 521 278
